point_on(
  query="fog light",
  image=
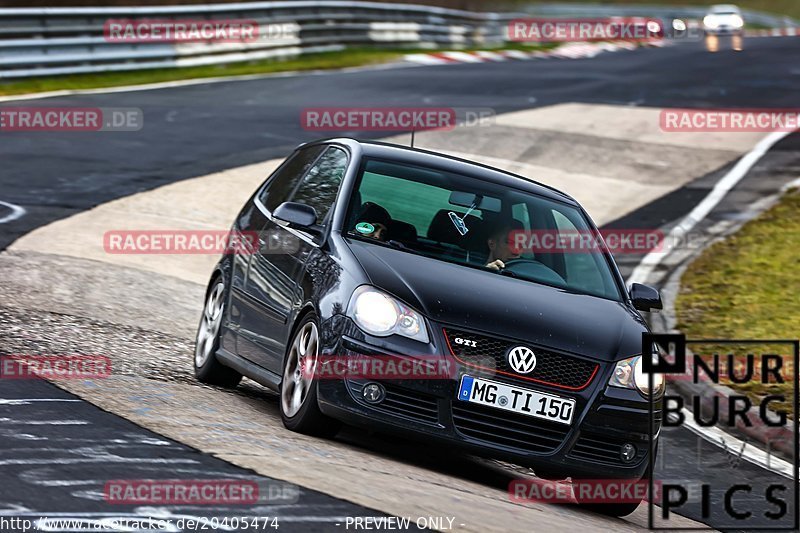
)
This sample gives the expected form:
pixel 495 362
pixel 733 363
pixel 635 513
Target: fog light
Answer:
pixel 627 452
pixel 373 393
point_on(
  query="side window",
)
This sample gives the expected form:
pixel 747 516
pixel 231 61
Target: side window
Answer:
pixel 520 213
pixel 281 185
pixel 319 187
pixel 581 270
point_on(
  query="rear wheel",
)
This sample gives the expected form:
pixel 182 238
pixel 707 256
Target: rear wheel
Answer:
pixel 206 367
pixel 299 408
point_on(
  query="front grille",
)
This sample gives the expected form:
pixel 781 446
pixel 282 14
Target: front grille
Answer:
pixel 599 449
pixel 490 354
pixel 401 401
pixel 507 429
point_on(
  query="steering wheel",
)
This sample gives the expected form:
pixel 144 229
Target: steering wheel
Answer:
pixel 533 269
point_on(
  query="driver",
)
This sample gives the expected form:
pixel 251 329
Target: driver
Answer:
pixel 500 251
pixel 373 222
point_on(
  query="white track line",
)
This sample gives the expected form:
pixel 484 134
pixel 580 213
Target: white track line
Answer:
pixel 644 269
pixel 30 400
pixel 16 212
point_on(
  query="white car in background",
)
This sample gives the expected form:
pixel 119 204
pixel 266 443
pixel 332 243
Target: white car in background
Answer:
pixel 723 19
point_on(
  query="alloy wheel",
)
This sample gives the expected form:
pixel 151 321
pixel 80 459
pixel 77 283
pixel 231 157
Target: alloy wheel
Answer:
pixel 209 325
pixel 299 370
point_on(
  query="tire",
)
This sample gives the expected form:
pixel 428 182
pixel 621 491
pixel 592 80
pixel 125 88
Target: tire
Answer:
pixel 615 509
pixel 549 475
pixel 611 509
pixel 206 367
pixel 298 398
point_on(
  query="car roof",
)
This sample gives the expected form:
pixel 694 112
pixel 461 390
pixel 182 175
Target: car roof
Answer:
pixel 426 158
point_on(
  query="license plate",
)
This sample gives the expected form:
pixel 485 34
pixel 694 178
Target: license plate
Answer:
pixel 517 400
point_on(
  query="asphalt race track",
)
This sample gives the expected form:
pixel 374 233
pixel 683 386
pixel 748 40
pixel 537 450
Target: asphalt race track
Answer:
pixel 58 449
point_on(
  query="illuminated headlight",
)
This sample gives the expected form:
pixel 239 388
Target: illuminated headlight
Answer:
pixel 710 22
pixel 381 315
pixel 736 21
pixel 678 25
pixel 629 374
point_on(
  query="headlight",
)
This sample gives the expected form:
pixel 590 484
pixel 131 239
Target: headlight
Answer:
pixel 678 25
pixel 737 21
pixel 710 21
pixel 629 374
pixel 381 315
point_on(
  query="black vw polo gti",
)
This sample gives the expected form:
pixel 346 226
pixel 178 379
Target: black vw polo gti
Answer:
pixel 373 252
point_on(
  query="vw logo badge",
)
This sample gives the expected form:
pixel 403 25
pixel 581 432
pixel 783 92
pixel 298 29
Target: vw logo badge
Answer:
pixel 522 359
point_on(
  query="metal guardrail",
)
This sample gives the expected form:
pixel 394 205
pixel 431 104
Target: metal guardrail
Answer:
pixel 50 41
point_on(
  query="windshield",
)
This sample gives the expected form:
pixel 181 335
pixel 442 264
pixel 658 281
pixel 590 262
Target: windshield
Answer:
pixel 723 10
pixel 474 223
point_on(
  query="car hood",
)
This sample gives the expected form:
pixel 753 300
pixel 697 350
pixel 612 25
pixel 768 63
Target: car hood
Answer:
pixel 460 296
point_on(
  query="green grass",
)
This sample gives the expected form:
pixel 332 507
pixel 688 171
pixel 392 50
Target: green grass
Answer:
pixel 745 287
pixel 321 61
pixel 352 57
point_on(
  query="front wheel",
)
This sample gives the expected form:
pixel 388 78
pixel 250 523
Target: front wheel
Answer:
pixel 622 508
pixel 299 408
pixel 611 509
pixel 206 367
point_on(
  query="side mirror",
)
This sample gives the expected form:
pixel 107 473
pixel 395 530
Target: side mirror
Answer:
pixel 645 298
pixel 296 215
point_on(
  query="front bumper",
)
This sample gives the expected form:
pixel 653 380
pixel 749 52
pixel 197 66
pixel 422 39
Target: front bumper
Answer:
pixel 724 30
pixel 606 418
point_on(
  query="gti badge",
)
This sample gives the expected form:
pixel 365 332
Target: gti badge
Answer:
pixel 522 359
pixel 466 342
